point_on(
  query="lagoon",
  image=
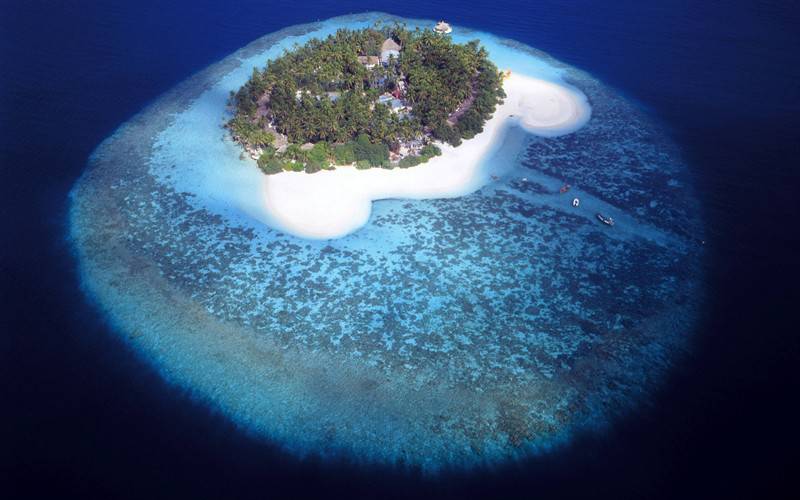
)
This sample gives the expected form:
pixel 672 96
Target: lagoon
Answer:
pixel 483 324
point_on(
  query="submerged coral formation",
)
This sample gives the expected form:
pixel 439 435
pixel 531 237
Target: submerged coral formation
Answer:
pixel 450 332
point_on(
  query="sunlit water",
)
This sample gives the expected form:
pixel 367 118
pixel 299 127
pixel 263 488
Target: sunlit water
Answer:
pixel 445 332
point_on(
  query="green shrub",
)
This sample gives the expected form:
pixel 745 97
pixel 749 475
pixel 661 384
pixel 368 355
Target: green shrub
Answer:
pixel 250 132
pixel 319 154
pixel 363 164
pixel 272 166
pixel 266 156
pixel 425 154
pixel 375 154
pixel 446 133
pixel 294 166
pixel 409 161
pixel 430 151
pixel 344 154
pixel 293 152
pixel 313 166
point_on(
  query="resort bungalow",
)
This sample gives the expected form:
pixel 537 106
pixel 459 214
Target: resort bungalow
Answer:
pixel 369 62
pixel 411 147
pixel 389 49
pixel 397 105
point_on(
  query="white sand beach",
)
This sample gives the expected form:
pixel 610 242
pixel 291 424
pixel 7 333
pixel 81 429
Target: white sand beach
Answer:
pixel 334 203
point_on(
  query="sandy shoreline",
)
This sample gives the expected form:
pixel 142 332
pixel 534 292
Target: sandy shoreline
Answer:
pixel 334 203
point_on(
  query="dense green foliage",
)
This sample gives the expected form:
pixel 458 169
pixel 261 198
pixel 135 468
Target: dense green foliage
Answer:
pixel 441 76
pixel 375 154
pixel 362 152
pixel 322 93
pixel 270 165
pixel 426 154
pixel 297 84
pixel 251 132
pixel 488 90
pixel 344 154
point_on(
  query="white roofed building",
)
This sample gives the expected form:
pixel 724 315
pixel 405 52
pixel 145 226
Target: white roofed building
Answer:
pixel 389 49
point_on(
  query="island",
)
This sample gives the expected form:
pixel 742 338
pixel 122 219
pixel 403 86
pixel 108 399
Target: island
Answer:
pixel 387 97
pixel 375 97
pixel 432 334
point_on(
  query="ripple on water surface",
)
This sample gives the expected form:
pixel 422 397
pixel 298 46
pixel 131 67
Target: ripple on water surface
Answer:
pixel 447 332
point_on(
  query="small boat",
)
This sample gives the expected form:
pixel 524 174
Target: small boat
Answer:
pixel 564 188
pixel 442 27
pixel 494 177
pixel 608 221
pixel 576 202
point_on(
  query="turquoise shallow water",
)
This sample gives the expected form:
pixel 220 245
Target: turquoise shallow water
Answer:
pixel 445 332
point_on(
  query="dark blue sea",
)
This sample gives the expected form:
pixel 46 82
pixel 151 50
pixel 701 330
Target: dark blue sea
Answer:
pixel 84 417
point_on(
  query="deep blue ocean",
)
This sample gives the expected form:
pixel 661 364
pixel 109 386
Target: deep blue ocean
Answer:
pixel 83 417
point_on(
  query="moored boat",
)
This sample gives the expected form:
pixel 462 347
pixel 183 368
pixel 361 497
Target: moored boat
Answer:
pixel 605 219
pixel 442 27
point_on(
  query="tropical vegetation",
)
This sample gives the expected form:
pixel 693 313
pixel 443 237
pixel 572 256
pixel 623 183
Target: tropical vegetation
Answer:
pixel 330 102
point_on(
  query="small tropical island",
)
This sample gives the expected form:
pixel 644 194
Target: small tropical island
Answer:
pixel 375 97
pixel 416 332
pixel 359 107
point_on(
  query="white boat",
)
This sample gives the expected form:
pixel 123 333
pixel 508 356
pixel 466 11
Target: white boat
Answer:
pixel 605 220
pixel 442 27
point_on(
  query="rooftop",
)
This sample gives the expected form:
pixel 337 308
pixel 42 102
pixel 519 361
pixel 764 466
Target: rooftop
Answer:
pixel 390 44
